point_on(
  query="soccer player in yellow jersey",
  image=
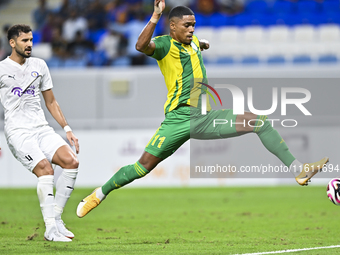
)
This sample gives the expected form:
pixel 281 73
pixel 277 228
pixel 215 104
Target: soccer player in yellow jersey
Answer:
pixel 180 60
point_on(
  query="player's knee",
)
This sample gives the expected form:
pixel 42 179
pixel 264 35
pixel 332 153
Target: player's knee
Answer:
pixel 71 162
pixel 149 161
pixel 75 163
pixel 148 164
pixel 43 168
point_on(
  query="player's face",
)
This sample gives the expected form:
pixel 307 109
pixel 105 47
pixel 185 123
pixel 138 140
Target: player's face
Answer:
pixel 23 44
pixel 183 29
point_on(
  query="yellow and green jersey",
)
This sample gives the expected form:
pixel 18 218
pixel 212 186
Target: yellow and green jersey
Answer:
pixel 180 65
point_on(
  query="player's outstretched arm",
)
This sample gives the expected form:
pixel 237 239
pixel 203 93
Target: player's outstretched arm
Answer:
pixel 54 108
pixel 144 43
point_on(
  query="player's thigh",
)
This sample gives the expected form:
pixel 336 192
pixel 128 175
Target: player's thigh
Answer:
pixel 169 136
pixel 50 142
pixel 216 124
pixel 25 148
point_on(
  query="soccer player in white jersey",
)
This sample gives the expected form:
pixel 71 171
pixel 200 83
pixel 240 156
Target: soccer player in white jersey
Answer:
pixel 32 141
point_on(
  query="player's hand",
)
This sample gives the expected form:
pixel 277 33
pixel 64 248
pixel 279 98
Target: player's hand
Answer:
pixel 204 44
pixel 159 6
pixel 73 140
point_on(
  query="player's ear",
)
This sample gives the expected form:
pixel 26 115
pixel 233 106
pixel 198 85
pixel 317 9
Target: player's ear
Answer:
pixel 172 25
pixel 12 43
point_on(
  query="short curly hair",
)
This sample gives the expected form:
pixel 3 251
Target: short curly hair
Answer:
pixel 180 11
pixel 15 30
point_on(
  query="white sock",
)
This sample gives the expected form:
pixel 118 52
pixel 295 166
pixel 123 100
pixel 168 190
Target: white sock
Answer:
pixel 64 188
pixel 46 198
pixel 296 167
pixel 100 194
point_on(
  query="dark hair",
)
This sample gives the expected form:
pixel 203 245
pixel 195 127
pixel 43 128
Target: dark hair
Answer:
pixel 15 30
pixel 180 11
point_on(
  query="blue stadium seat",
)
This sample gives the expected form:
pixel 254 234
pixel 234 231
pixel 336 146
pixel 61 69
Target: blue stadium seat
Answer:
pixel 283 6
pixel 203 20
pixel 225 60
pixel 307 6
pixel 75 63
pixel 219 20
pixel 55 62
pixel 250 60
pixel 331 6
pixel 97 58
pixel 276 60
pixel 328 59
pixel 314 18
pixel 333 17
pixel 122 61
pixel 257 6
pixel 289 19
pixel 302 59
pixel 244 19
pixel 267 20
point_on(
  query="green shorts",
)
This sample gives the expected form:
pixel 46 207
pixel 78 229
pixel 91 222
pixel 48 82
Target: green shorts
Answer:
pixel 187 122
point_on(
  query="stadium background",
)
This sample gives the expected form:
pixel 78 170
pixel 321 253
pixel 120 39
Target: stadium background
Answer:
pixel 114 100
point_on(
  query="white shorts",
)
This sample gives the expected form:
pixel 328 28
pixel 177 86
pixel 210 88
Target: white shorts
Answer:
pixel 29 147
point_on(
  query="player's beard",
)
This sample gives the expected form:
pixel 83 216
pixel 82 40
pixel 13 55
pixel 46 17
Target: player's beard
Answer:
pixel 22 53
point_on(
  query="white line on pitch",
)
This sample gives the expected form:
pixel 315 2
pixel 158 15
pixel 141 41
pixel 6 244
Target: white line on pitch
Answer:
pixel 294 250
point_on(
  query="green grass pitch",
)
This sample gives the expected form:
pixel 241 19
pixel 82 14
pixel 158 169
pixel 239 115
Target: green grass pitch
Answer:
pixel 178 221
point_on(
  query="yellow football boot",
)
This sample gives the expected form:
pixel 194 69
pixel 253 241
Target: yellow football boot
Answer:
pixel 309 170
pixel 87 204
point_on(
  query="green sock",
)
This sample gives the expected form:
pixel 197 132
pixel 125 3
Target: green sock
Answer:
pixel 124 176
pixel 272 140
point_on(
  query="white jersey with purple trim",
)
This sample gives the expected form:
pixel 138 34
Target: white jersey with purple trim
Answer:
pixel 20 87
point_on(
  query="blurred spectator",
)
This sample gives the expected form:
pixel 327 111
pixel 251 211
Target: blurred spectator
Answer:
pixel 117 11
pixel 110 44
pixel 79 47
pixel 47 29
pixel 134 6
pixel 133 29
pixel 231 6
pixel 72 25
pixel 205 7
pixel 5 48
pixel 59 45
pixel 40 15
pixel 96 16
pixel 64 9
pixel 80 5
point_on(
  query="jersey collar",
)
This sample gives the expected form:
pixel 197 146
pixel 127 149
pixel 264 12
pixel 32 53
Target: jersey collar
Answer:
pixel 12 62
